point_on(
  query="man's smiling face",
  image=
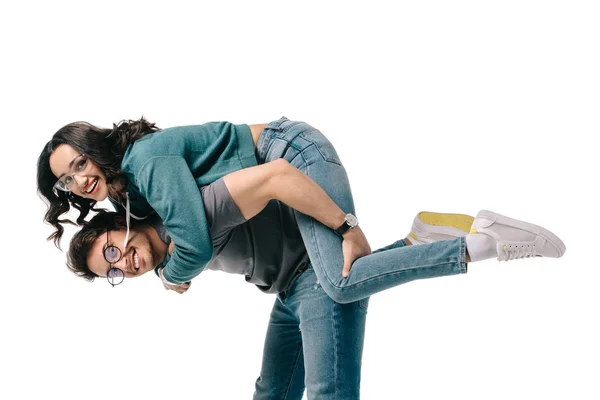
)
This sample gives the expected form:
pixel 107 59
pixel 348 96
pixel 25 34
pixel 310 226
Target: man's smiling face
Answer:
pixel 138 258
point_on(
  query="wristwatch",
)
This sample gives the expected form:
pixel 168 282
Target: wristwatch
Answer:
pixel 350 222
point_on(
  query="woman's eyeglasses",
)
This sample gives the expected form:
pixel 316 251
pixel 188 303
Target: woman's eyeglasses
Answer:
pixel 79 166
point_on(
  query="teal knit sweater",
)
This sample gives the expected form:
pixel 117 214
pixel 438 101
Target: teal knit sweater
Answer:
pixel 166 169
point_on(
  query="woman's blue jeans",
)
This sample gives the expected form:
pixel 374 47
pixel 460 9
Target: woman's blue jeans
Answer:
pixel 308 150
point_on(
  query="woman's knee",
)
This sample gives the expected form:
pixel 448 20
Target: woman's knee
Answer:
pixel 339 294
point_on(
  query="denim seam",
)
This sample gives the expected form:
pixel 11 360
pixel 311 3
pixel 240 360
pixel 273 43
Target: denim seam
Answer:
pixel 289 385
pixel 313 237
pixel 314 143
pixel 300 150
pixel 463 256
pixel 263 146
pixel 335 349
pixel 281 131
pixel 290 124
pixel 270 144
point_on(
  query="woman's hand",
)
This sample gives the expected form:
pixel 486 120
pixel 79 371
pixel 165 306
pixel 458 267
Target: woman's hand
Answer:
pixel 355 245
pixel 178 288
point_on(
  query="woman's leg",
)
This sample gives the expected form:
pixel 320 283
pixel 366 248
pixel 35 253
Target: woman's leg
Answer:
pixel 282 372
pixel 308 150
pixel 375 272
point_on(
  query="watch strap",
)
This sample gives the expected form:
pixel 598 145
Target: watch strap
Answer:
pixel 343 228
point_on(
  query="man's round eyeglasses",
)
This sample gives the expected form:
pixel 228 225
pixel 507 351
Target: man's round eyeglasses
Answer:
pixel 112 255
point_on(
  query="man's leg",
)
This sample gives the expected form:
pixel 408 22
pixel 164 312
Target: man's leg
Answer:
pixel 282 372
pixel 333 336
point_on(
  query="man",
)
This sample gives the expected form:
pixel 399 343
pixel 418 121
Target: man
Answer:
pixel 315 337
pixel 268 250
pixel 302 345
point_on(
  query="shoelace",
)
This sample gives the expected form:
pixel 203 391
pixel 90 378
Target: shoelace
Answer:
pixel 515 251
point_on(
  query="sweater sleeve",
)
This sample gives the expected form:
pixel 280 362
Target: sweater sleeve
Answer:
pixel 169 187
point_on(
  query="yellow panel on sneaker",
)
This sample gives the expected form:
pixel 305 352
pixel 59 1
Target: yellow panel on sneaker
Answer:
pixel 459 221
pixel 429 227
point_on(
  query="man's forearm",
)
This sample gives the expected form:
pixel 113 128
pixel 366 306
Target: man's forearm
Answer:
pixel 295 189
pixel 252 188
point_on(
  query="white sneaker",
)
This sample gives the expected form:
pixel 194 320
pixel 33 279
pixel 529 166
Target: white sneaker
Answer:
pixel 429 227
pixel 516 239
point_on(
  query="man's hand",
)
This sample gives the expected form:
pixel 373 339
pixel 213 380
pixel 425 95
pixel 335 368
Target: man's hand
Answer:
pixel 178 288
pixel 355 245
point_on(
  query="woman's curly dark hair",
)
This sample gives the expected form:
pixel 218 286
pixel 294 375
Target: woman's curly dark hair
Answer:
pixel 105 147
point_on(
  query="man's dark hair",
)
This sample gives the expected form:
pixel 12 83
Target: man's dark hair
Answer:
pixel 82 241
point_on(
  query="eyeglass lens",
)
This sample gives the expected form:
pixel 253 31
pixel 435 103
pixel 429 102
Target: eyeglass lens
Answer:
pixel 112 254
pixel 115 276
pixel 79 166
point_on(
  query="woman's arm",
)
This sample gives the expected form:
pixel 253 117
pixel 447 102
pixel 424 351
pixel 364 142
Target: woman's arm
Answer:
pixel 252 188
pixel 170 188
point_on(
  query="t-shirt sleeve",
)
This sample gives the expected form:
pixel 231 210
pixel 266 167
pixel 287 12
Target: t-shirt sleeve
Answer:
pixel 222 213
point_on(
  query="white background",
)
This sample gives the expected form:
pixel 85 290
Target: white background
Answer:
pixel 432 105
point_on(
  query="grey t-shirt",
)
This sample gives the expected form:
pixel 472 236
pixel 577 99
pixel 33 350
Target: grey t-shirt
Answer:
pixel 267 249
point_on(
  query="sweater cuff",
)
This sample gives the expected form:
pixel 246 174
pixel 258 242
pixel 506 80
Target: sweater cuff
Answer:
pixel 166 278
pixel 166 281
pixel 246 150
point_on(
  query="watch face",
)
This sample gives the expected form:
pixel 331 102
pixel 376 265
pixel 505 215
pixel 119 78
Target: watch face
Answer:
pixel 351 220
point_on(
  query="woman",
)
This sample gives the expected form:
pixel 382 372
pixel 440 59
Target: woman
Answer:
pixel 144 169
pixel 135 161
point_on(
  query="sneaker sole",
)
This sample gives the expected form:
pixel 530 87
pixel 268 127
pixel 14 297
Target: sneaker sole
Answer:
pixel 452 225
pixel 526 226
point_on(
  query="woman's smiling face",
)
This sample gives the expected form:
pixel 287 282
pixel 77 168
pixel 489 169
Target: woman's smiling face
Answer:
pixel 78 174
